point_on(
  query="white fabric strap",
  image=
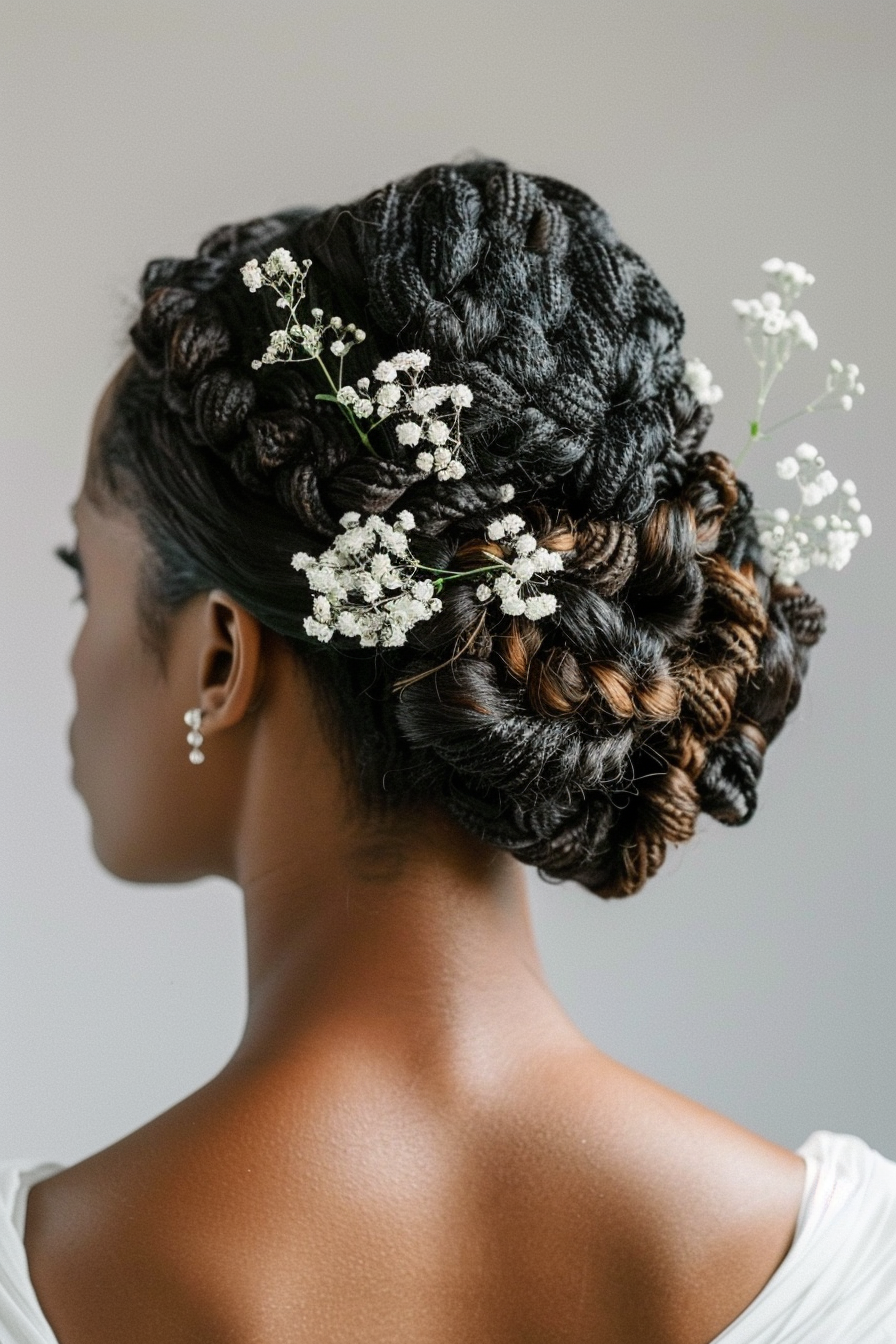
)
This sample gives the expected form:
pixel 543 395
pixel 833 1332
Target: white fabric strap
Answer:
pixel 21 1319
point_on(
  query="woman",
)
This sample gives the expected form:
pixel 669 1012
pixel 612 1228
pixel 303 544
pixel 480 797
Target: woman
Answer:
pixel 412 1142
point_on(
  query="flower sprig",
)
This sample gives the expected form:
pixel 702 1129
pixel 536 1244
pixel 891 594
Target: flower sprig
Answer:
pixel 299 342
pixel 367 583
pixel 401 390
pixel 774 328
pixel 514 579
pixel 370 586
pixel 795 542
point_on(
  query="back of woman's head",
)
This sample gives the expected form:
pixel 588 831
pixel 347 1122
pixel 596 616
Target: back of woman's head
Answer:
pixel 585 741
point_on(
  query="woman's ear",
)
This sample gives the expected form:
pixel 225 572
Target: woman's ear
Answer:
pixel 230 662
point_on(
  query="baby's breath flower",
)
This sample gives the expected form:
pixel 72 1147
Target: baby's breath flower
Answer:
pixel 318 630
pixel 253 277
pixel 413 361
pixel 438 432
pixel 699 380
pixel 513 524
pixel 803 333
pixel 542 604
pixel 366 583
pixel 529 564
pixel 408 433
pixel 787 539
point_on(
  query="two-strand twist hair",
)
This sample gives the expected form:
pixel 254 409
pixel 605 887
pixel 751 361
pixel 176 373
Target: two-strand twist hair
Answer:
pixel 587 741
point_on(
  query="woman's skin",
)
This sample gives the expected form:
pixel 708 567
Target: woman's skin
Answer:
pixel 412 1142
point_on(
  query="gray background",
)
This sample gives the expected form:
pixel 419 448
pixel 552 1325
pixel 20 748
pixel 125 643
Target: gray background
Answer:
pixel 755 972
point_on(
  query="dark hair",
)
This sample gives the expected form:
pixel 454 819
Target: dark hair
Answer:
pixel 587 741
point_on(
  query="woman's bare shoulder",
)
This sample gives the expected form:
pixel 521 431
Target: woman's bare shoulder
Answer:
pixel 572 1195
pixel 689 1214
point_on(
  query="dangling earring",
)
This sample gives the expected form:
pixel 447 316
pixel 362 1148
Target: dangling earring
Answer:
pixel 193 720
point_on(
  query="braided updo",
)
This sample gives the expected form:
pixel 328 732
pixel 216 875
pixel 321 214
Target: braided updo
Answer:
pixel 584 742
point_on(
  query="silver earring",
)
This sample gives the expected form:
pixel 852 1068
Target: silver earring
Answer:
pixel 193 720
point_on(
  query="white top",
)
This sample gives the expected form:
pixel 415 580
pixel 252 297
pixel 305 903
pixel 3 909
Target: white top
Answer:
pixel 836 1285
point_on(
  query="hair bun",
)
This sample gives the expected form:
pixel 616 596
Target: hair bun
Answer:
pixel 585 742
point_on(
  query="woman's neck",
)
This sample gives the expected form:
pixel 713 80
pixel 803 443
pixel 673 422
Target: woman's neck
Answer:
pixel 406 926
pixel 396 921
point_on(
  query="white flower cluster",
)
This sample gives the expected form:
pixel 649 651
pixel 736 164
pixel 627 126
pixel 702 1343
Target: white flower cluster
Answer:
pixel 699 380
pixel 842 383
pixel 772 325
pixel 794 543
pixel 282 273
pixel 791 277
pixel 401 392
pixel 515 578
pixel 367 583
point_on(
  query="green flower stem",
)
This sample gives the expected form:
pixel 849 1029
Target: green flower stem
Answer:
pixel 347 412
pixel 447 575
